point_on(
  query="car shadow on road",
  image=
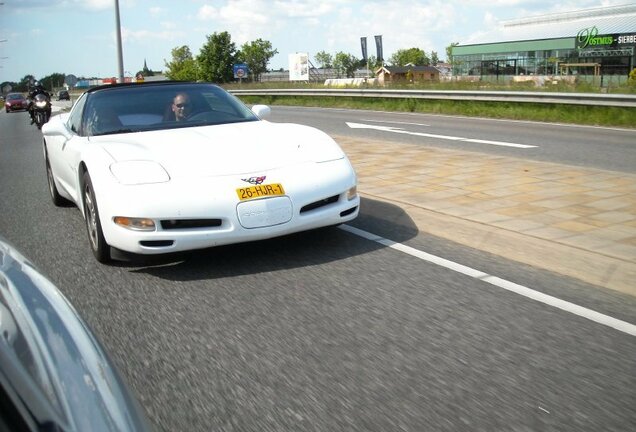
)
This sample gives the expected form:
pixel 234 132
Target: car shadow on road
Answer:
pixel 305 249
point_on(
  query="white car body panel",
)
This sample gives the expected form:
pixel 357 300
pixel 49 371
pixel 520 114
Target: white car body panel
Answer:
pixel 193 173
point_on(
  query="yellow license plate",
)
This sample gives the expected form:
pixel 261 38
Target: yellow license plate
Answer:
pixel 260 191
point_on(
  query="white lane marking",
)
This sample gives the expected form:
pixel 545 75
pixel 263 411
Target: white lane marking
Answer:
pixel 572 308
pixel 395 122
pixel 447 137
pixel 459 117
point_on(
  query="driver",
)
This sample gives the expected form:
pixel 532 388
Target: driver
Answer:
pixel 181 107
pixel 38 88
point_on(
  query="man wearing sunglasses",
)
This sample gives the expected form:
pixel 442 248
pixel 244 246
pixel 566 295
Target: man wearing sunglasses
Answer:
pixel 181 107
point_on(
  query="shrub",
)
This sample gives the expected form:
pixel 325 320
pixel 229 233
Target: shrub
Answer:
pixel 632 78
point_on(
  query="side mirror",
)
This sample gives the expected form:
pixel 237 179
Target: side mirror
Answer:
pixel 261 111
pixel 56 126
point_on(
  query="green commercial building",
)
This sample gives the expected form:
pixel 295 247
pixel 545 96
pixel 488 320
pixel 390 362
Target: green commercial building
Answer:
pixel 591 44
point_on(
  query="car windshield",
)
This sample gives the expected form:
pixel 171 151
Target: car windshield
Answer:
pixel 139 108
pixel 14 97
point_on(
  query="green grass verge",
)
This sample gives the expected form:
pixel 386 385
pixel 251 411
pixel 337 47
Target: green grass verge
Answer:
pixel 555 113
pixel 561 86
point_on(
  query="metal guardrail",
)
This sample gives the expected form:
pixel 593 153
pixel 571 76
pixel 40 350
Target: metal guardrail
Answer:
pixel 589 99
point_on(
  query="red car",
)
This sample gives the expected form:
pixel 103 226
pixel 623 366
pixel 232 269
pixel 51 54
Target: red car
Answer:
pixel 15 102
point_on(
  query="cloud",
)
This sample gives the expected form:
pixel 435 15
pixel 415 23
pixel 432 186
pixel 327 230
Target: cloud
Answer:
pixel 490 20
pixel 245 20
pixel 60 6
pixel 96 4
pixel 402 25
pixel 207 12
pixel 169 25
pixel 245 13
pixel 305 8
pixel 143 36
pixel 156 11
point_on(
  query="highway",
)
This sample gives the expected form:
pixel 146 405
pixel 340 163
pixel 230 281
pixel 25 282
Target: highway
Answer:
pixel 331 331
pixel 587 146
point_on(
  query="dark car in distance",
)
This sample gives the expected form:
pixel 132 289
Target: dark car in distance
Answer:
pixel 15 102
pixel 63 95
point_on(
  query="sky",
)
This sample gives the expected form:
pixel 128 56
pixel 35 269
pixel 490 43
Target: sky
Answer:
pixel 41 37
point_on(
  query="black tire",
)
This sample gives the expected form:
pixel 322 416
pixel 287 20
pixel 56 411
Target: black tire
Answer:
pixel 39 119
pixel 96 239
pixel 58 200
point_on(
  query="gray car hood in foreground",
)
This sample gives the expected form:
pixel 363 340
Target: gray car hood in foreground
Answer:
pixel 51 366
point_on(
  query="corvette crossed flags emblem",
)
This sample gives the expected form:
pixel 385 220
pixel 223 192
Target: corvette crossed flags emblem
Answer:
pixel 255 180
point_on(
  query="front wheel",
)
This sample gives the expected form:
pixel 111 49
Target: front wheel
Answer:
pixel 39 119
pixel 58 200
pixel 100 248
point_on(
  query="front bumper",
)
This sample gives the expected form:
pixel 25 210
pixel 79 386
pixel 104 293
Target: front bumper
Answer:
pixel 16 107
pixel 188 214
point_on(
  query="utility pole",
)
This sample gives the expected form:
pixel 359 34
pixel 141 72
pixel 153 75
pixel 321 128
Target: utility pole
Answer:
pixel 120 58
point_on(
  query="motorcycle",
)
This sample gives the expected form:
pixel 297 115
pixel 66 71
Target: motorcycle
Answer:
pixel 41 109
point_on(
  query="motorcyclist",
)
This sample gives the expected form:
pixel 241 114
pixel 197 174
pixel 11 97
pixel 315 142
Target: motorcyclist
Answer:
pixel 38 88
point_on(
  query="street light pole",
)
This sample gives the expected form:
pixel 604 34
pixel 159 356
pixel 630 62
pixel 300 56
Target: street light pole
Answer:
pixel 120 58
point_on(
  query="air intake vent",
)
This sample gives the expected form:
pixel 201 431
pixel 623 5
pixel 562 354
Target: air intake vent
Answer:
pixel 318 204
pixel 173 224
pixel 156 243
pixel 348 212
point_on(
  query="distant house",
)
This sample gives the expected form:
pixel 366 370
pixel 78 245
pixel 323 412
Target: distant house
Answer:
pixel 158 76
pixel 445 69
pixel 393 74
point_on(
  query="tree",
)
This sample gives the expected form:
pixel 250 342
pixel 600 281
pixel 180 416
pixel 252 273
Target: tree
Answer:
pixel 434 58
pixel 6 85
pixel 25 83
pixel 325 60
pixel 345 64
pixel 183 67
pixel 414 56
pixel 256 55
pixel 374 64
pixel 449 52
pixel 55 80
pixel 217 57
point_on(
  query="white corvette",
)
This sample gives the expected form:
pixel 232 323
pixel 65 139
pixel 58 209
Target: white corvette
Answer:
pixel 166 167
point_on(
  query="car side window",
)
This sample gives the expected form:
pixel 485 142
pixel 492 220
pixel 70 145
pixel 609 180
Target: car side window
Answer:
pixel 75 119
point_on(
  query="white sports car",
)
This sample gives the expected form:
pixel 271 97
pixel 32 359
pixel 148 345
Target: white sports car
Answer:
pixel 166 167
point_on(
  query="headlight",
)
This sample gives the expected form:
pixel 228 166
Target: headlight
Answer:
pixel 139 172
pixel 352 193
pixel 136 224
pixel 41 104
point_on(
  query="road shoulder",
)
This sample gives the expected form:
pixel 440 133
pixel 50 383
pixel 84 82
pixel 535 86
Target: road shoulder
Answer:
pixel 573 221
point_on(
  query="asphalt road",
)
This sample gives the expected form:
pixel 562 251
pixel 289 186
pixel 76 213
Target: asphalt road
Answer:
pixel 328 331
pixel 604 148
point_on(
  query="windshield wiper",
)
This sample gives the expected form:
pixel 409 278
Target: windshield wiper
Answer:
pixel 116 131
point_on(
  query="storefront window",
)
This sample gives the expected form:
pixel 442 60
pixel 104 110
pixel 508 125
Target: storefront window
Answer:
pixel 613 62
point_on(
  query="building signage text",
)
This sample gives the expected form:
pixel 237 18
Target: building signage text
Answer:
pixel 589 38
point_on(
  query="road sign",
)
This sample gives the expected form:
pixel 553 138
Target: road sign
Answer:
pixel 241 70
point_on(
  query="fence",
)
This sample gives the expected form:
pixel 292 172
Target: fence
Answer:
pixel 616 100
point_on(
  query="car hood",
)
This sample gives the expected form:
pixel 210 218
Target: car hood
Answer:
pixel 50 359
pixel 219 150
